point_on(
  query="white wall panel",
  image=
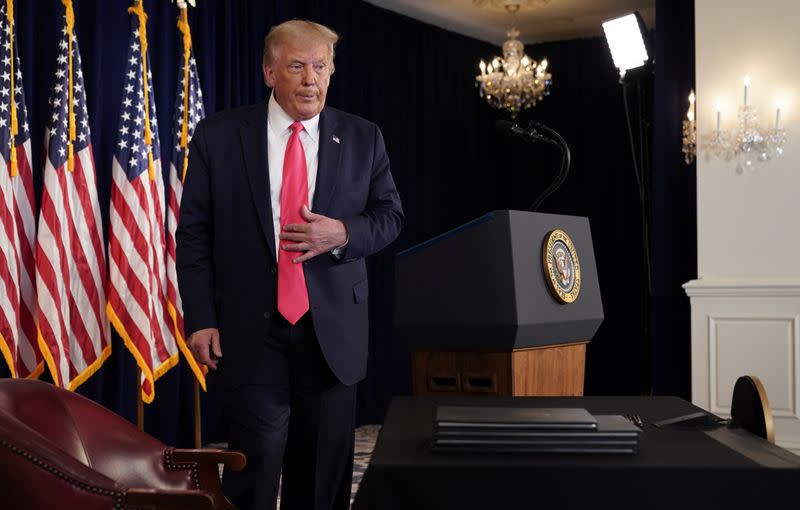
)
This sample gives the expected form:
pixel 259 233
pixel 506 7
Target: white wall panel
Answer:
pixel 740 328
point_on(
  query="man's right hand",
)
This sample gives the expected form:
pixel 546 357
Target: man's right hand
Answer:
pixel 204 344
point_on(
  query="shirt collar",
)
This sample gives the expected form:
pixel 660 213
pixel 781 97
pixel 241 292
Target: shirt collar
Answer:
pixel 280 121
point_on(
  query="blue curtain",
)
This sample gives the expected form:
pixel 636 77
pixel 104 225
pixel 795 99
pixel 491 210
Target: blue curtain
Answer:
pixel 674 201
pixel 416 82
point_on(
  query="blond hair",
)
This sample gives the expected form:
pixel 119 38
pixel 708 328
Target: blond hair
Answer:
pixel 298 30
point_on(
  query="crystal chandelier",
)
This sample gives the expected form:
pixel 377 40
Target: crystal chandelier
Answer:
pixel 513 82
pixel 511 6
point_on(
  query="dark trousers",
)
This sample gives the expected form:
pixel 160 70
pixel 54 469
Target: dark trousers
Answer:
pixel 296 427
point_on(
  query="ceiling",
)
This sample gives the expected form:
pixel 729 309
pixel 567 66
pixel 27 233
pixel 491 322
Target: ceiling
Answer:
pixel 537 20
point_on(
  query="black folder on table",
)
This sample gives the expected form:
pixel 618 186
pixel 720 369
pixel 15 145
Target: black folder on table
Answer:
pixel 518 418
pixel 608 449
pixel 614 434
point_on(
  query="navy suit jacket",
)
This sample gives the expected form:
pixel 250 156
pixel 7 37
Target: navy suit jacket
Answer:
pixel 227 270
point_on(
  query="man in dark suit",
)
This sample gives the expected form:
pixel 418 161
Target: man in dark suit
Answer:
pixel 282 202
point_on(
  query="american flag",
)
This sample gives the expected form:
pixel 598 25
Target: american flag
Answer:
pixel 70 261
pixel 138 305
pixel 188 112
pixel 18 341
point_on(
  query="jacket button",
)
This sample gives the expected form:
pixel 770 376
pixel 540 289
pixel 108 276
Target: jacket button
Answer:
pixel 267 315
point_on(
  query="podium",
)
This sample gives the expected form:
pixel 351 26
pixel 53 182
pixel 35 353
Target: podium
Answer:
pixel 477 312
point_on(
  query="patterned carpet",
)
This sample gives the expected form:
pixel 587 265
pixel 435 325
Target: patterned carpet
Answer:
pixel 365 442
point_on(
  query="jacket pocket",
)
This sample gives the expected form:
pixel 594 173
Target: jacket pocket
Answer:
pixel 361 291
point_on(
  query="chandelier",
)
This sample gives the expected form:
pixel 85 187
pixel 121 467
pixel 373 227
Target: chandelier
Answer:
pixel 513 82
pixel 511 6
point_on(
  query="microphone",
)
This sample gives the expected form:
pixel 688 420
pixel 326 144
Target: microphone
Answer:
pixel 505 127
pixel 508 128
pixel 532 135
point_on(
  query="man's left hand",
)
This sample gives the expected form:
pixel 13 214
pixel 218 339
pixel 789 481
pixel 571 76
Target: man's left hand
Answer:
pixel 320 235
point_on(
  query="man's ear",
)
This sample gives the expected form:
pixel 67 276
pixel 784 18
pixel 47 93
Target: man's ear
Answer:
pixel 269 75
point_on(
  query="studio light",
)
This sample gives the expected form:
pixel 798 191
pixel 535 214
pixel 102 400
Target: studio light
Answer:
pixel 625 39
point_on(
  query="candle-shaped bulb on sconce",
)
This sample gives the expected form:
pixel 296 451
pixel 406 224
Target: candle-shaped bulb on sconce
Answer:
pixel 690 113
pixel 483 67
pixel 746 87
pixel 778 118
pixel 719 118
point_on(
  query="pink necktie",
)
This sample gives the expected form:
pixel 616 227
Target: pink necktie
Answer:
pixel 292 292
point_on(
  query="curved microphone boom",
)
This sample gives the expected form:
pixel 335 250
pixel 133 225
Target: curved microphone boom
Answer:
pixel 531 134
pixel 508 128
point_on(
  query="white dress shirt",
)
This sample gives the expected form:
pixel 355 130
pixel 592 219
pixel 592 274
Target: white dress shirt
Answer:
pixel 278 132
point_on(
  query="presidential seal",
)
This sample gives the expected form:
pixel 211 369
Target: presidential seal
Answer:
pixel 562 270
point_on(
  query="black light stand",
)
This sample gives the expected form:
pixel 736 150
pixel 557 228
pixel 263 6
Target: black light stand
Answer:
pixel 640 155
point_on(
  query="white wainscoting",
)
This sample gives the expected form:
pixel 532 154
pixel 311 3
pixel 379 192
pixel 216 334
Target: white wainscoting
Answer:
pixel 742 327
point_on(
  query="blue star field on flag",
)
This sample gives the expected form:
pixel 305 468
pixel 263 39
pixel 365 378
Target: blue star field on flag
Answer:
pixel 58 124
pixel 196 111
pixel 131 150
pixel 5 91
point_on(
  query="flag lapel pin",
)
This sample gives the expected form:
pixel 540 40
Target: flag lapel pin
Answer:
pixel 335 138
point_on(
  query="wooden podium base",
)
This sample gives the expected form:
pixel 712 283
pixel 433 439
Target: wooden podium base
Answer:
pixel 554 370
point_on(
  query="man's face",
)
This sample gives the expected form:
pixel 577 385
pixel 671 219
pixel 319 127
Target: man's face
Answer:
pixel 299 76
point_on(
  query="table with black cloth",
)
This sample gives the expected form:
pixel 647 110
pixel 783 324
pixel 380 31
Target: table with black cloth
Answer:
pixel 676 467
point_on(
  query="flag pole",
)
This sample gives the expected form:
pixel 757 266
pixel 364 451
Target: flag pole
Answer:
pixel 198 436
pixel 14 170
pixel 139 401
pixel 138 10
pixel 183 27
pixel 70 15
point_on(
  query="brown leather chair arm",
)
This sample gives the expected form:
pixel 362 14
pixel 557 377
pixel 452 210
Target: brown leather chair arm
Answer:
pixel 168 499
pixel 204 465
pixel 231 459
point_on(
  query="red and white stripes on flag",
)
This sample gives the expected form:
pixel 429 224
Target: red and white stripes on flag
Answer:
pixel 188 111
pixel 70 262
pixel 137 305
pixel 18 338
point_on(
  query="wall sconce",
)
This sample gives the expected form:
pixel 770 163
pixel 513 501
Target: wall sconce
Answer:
pixel 690 133
pixel 748 140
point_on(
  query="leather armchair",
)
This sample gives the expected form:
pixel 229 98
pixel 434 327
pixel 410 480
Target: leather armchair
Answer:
pixel 59 449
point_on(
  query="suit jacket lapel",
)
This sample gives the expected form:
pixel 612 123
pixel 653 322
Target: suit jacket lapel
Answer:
pixel 253 134
pixel 330 148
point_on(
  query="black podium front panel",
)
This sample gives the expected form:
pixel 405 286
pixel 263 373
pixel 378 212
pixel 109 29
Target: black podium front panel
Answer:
pixel 481 287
